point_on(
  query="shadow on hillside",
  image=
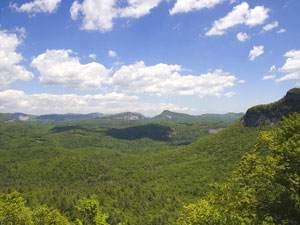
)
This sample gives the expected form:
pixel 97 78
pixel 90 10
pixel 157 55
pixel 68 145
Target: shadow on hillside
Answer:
pixel 152 131
pixel 60 129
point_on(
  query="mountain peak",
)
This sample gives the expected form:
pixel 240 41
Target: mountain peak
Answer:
pixel 127 116
pixel 271 114
pixel 167 112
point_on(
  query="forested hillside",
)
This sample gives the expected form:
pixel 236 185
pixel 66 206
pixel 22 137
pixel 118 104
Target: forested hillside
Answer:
pixel 271 114
pixel 139 174
pixel 96 171
pixel 264 189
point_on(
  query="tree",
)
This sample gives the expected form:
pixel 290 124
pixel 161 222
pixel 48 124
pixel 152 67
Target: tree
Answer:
pixel 89 211
pixel 265 188
pixel 47 216
pixel 13 210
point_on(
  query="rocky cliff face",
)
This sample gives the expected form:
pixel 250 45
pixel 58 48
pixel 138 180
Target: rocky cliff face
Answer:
pixel 271 114
pixel 128 116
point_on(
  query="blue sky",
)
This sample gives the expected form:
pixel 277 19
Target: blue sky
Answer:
pixel 109 56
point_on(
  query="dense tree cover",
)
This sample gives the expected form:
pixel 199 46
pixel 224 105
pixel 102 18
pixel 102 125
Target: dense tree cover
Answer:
pixel 271 114
pixel 167 115
pixel 140 181
pixel 72 135
pixel 5 117
pixel 264 189
pixel 14 211
pixel 175 134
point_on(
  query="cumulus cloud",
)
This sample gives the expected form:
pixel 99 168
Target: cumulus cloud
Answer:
pixel 256 51
pixel 59 67
pixel 16 101
pixel 281 31
pixel 97 15
pixel 10 70
pixel 291 66
pixel 138 8
pixel 269 77
pixel 242 36
pixel 272 68
pixel 241 14
pixel 38 6
pixel 92 56
pixel 165 80
pixel 100 14
pixel 270 26
pixel 184 6
pixel 112 53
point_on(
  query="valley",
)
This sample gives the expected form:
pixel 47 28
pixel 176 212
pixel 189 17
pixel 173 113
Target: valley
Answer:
pixel 140 171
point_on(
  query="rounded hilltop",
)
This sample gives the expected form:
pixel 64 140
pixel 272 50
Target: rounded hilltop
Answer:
pixel 271 114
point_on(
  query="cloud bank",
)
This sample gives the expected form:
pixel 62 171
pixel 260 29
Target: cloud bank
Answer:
pixel 18 101
pixel 165 80
pixel 10 68
pixel 59 67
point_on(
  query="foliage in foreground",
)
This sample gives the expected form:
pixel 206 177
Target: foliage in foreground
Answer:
pixel 13 211
pixel 265 189
pixel 137 182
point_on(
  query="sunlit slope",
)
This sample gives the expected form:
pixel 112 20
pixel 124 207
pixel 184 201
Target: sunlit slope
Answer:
pixel 135 180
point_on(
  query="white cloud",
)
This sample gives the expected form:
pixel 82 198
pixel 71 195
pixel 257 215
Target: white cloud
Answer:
pixel 242 36
pixel 165 80
pixel 241 14
pixel 184 6
pixel 270 26
pixel 229 94
pixel 291 66
pixel 10 70
pixel 58 67
pixel 272 68
pixel 74 10
pixel 138 8
pixel 21 31
pixel 112 54
pixel 97 14
pixel 92 56
pixel 241 81
pixel 100 14
pixel 256 51
pixel 16 101
pixel 38 6
pixel 281 31
pixel 269 77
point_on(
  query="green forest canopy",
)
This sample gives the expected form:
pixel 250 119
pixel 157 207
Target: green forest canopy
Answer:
pixel 147 181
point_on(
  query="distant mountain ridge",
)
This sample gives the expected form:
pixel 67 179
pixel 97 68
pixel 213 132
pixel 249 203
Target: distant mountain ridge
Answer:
pixel 170 116
pixel 125 116
pixel 68 116
pixel 271 114
pixel 165 116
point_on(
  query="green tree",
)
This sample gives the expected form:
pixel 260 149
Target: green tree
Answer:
pixel 47 216
pixel 265 189
pixel 13 210
pixel 89 210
